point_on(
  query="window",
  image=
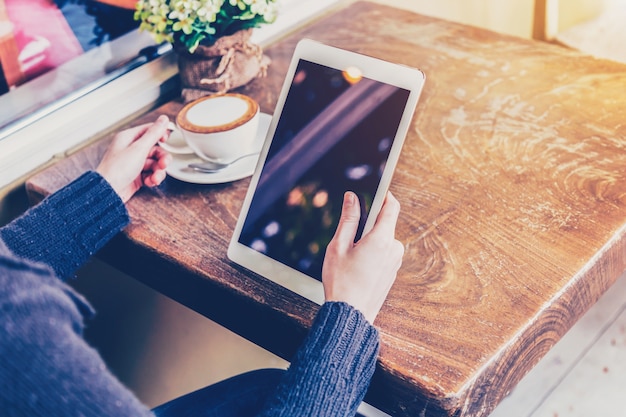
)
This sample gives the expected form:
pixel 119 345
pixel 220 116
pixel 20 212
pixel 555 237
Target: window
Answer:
pixel 51 50
pixel 115 76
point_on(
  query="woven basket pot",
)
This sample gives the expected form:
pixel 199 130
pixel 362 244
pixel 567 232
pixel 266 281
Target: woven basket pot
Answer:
pixel 232 61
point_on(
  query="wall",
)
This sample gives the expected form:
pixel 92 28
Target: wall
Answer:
pixel 574 12
pixel 154 345
pixel 514 17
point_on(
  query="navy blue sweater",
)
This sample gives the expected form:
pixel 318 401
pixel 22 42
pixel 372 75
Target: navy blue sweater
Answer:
pixel 47 368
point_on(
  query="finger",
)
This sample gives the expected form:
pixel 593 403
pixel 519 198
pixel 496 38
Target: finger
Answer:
pixel 157 159
pixel 349 221
pixel 151 167
pixel 162 157
pixel 388 216
pixel 153 134
pixel 146 179
pixel 126 137
pixel 155 178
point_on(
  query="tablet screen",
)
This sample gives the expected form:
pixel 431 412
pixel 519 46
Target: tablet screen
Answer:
pixel 334 134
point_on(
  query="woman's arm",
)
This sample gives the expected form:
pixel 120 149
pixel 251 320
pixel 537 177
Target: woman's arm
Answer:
pixel 331 371
pixel 72 224
pixel 47 368
pixel 69 226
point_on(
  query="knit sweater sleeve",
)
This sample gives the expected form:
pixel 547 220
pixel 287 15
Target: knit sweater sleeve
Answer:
pixel 69 226
pixel 330 373
pixel 47 368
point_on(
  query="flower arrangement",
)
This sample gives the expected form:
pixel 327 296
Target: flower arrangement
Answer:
pixel 191 22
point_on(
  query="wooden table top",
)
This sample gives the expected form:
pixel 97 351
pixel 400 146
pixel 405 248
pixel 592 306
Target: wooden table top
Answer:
pixel 513 190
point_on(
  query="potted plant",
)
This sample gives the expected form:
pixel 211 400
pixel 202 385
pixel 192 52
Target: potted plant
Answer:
pixel 212 39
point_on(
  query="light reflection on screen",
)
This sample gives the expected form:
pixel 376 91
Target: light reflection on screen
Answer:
pixel 335 134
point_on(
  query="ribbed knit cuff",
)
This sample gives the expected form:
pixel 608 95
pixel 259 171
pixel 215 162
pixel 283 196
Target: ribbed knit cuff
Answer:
pixel 341 334
pixel 331 372
pixel 69 226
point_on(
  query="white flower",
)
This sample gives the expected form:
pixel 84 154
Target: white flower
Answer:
pixel 195 21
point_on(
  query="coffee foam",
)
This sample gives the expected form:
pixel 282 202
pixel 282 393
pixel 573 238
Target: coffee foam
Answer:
pixel 217 113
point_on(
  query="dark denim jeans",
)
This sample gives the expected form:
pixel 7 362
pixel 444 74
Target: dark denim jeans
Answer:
pixel 240 396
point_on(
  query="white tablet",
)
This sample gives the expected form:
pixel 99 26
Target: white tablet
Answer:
pixel 339 125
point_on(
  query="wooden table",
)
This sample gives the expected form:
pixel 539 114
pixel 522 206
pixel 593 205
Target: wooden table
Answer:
pixel 513 191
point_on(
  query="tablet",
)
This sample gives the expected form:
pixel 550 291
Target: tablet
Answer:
pixel 339 125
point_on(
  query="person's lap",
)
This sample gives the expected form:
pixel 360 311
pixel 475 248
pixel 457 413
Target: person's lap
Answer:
pixel 240 396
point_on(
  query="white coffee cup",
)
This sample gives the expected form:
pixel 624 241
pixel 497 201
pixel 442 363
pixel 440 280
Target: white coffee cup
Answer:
pixel 220 127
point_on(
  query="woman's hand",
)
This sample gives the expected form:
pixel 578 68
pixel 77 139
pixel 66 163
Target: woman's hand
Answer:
pixel 133 158
pixel 361 274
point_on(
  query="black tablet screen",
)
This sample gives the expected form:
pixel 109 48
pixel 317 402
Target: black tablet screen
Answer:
pixel 334 134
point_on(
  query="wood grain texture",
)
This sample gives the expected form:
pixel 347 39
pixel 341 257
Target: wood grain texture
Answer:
pixel 513 192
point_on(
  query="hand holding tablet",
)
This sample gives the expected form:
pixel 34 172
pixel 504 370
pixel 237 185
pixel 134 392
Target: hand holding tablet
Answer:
pixel 361 274
pixel 339 125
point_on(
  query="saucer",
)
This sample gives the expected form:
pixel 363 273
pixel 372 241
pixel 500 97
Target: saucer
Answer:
pixel 243 168
pixel 176 143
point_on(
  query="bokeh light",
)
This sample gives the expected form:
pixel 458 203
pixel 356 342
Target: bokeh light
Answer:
pixel 320 199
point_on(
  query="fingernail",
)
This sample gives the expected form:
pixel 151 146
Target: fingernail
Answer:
pixel 349 198
pixel 162 119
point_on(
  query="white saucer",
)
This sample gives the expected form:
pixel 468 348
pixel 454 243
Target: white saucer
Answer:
pixel 176 143
pixel 243 168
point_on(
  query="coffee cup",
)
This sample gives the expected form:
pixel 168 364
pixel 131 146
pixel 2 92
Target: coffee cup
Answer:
pixel 220 127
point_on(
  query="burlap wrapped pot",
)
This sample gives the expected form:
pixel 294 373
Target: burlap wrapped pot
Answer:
pixel 232 61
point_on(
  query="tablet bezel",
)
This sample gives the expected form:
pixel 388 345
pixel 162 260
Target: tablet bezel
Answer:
pixel 397 75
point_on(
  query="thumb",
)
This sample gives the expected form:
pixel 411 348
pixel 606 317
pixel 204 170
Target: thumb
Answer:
pixel 153 134
pixel 349 221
